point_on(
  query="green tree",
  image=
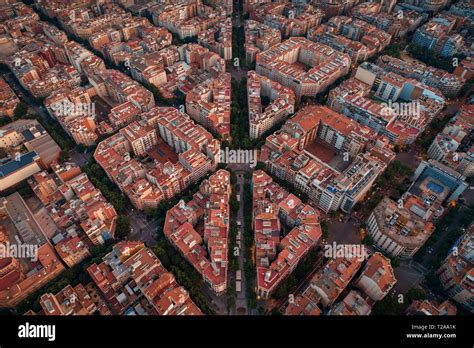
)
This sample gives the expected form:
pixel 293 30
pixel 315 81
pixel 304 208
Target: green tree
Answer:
pixel 150 213
pixel 123 227
pixel 80 148
pixel 233 178
pixel 230 303
pixel 4 121
pixel 64 156
pixel 234 204
pixel 393 50
pixel 325 229
pixel 20 110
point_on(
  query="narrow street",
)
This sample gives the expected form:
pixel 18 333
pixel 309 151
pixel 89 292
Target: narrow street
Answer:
pixel 241 300
pixel 217 303
pixel 282 304
pixel 434 250
pixel 26 98
pixel 76 157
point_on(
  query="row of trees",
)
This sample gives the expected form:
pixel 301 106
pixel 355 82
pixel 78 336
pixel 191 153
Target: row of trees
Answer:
pixel 4 120
pixel 161 100
pixel 233 259
pixel 448 229
pixel 233 256
pixel 239 118
pixel 238 45
pixel 248 239
pixel 393 182
pixel 57 133
pixel 304 268
pixel 431 58
pixel 184 273
pixel 324 228
pixel 101 181
pixel 20 111
pixel 291 188
pixel 395 305
pixel 393 50
pixel 425 140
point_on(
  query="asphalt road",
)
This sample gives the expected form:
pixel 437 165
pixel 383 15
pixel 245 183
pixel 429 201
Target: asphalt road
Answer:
pixel 241 301
pixel 468 196
pixel 140 228
pixel 409 275
pixel 343 232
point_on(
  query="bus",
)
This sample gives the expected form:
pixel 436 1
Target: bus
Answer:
pixel 238 286
pixel 238 275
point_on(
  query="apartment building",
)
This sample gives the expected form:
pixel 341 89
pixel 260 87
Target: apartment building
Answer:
pixel 133 281
pixel 276 257
pixel 22 277
pixel 269 103
pixel 207 252
pixel 305 151
pixel 209 104
pixel 449 84
pixel 456 271
pixel 218 39
pixel 258 37
pixel 306 67
pixel 148 183
pixel 439 35
pixel 8 99
pixel 377 277
pixel 397 227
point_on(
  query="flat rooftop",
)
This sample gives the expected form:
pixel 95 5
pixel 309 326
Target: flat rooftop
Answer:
pixel 14 165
